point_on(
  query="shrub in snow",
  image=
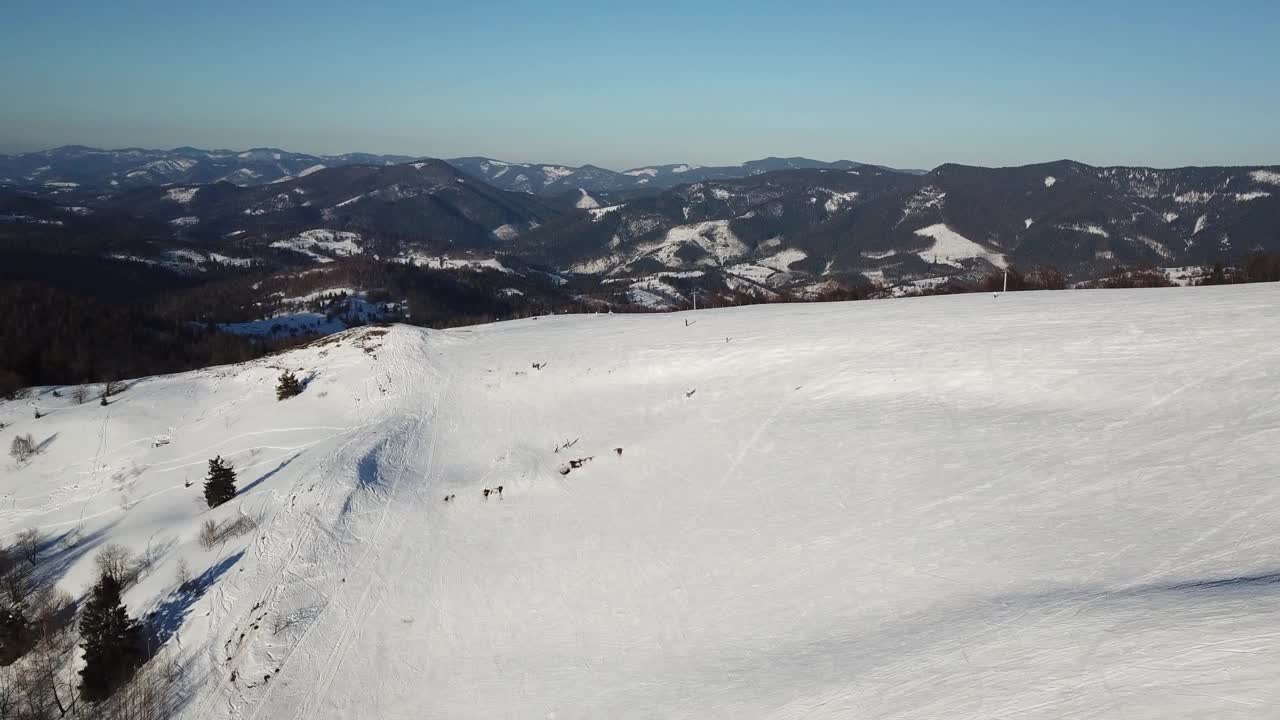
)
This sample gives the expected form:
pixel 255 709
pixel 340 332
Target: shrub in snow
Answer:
pixel 22 448
pixel 208 534
pixel 80 394
pixel 113 648
pixel 288 386
pixel 220 484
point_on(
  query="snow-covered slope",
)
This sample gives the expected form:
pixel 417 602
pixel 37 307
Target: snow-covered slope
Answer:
pixel 1045 505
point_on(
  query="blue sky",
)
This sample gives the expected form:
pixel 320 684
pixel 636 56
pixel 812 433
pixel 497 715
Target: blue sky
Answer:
pixel 627 84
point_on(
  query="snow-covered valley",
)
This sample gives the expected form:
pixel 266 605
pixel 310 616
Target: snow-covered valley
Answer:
pixel 1046 505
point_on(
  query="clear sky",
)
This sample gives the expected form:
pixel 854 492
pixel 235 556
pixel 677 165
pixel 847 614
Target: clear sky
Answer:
pixel 622 84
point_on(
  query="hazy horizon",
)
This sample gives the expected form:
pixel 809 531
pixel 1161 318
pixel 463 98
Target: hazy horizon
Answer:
pixel 569 82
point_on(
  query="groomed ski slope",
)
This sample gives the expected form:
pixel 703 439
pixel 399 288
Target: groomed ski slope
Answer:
pixel 1047 505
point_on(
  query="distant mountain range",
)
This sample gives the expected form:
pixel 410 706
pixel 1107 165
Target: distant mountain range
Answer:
pixel 135 167
pixel 762 228
pixel 556 179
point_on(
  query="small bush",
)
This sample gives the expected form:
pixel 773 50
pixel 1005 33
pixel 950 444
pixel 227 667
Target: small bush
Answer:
pixel 209 535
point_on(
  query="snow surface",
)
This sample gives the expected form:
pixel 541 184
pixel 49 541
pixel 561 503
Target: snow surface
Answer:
pixel 1086 228
pixel 181 195
pixel 1050 181
pixel 444 262
pixel 186 221
pixel 650 172
pixel 231 261
pixel 1254 195
pixel 714 237
pixel 1050 505
pixel 838 200
pixel 552 173
pixel 771 268
pixel 585 201
pixel 312 169
pixel 331 241
pixel 598 213
pixel 1271 177
pixel 1195 197
pixel 950 246
pixel 506 232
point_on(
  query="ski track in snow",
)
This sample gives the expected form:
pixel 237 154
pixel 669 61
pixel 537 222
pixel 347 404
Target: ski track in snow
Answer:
pixel 1043 505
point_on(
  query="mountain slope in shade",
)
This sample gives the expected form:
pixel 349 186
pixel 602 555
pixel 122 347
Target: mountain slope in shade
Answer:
pixel 755 514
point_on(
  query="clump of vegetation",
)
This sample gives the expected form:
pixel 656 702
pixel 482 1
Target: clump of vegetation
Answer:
pixel 288 386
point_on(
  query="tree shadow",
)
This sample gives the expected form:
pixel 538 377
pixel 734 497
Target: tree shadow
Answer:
pixel 59 553
pixel 268 474
pixel 163 622
pixel 1238 582
pixel 44 445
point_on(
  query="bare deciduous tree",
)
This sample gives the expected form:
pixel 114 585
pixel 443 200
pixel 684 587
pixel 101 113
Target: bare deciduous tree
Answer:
pixel 22 448
pixel 183 573
pixel 116 561
pixel 28 545
pixel 112 387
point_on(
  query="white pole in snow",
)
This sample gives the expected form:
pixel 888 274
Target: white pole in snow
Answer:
pixel 1006 281
pixel 695 299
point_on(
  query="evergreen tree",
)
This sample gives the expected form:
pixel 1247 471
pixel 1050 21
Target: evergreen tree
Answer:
pixel 16 634
pixel 288 386
pixel 220 485
pixel 113 647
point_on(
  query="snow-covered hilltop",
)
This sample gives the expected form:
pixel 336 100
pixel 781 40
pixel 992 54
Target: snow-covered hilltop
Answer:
pixel 1043 505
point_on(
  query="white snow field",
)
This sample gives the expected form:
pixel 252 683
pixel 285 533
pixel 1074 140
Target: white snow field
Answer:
pixel 1046 505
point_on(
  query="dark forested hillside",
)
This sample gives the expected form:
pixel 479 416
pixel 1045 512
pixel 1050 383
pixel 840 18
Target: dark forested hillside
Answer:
pixel 50 336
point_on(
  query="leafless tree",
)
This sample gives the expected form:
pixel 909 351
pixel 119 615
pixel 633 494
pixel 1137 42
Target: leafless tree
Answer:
pixel 80 394
pixel 112 387
pixel 28 545
pixel 183 573
pixel 22 448
pixel 47 675
pixel 115 560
